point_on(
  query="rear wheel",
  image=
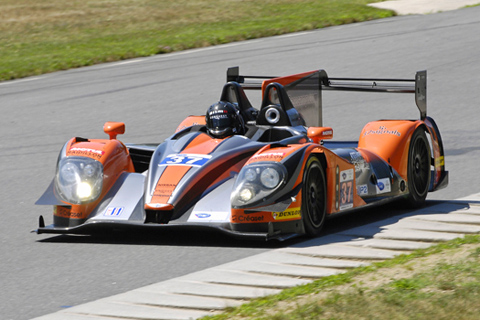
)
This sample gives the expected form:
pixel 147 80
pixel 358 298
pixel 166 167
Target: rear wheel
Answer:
pixel 314 195
pixel 418 170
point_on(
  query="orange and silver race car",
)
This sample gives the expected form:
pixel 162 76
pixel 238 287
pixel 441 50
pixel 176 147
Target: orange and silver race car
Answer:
pixel 270 172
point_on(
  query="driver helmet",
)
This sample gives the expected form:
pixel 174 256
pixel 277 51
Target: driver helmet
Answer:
pixel 223 119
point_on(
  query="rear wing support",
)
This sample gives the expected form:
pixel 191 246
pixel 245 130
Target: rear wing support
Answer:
pixel 417 85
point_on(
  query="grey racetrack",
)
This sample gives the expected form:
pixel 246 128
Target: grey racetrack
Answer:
pixel 43 274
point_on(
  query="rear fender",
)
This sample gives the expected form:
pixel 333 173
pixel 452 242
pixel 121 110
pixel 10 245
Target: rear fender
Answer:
pixel 390 139
pixel 439 174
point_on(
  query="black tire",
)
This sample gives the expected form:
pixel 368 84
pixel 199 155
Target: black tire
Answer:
pixel 314 197
pixel 418 169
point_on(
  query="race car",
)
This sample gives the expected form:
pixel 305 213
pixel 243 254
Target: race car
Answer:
pixel 270 172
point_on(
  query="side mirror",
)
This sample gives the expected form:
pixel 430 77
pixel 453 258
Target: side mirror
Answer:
pixel 317 134
pixel 113 129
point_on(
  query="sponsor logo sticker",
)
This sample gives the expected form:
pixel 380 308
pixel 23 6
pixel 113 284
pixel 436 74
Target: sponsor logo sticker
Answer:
pixel 248 218
pixel 86 152
pixel 362 190
pixel 203 215
pixel 294 213
pixel 382 130
pixel 271 156
pixel 346 175
pixel 209 216
pixel 439 161
pixel 383 186
pixel 114 211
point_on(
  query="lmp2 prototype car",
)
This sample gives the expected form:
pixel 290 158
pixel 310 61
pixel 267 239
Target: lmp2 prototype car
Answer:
pixel 277 177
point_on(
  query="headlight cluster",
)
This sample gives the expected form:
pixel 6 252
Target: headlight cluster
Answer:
pixel 256 182
pixel 78 179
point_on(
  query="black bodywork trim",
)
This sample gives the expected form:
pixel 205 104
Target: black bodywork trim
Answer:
pixel 99 227
pixel 418 86
pixel 188 199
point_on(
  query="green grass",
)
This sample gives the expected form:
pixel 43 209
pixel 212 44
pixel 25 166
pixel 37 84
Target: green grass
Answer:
pixel 434 288
pixel 43 36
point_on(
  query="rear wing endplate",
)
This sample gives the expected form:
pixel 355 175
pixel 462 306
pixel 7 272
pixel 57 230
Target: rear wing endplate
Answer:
pixel 417 85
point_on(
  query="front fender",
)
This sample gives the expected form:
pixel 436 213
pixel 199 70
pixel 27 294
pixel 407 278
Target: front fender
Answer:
pixel 282 206
pixel 115 160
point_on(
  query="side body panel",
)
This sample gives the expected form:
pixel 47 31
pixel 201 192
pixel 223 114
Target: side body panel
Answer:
pixel 283 213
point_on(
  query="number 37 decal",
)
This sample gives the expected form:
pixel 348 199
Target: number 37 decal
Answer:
pixel 346 189
pixel 195 160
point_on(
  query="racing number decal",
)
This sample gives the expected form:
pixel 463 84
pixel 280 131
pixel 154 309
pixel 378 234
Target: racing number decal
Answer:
pixel 346 189
pixel 194 160
pixel 346 193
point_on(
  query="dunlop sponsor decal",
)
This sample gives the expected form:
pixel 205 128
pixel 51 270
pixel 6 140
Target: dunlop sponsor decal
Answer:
pixel 294 213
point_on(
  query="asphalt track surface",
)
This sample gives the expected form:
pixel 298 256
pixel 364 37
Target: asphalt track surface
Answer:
pixel 43 274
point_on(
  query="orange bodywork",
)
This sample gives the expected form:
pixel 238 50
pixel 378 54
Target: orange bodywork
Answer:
pixel 389 139
pixel 114 157
pixel 194 178
pixel 341 195
pixel 286 80
pixel 191 121
pixel 202 144
pixel 341 184
pixel 293 212
pixel 437 152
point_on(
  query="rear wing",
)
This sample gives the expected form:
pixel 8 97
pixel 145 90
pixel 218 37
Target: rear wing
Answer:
pixel 318 81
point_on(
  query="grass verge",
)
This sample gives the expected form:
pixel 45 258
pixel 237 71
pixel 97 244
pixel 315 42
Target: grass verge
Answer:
pixel 441 282
pixel 39 36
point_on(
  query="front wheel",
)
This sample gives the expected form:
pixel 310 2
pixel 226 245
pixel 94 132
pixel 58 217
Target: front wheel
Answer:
pixel 418 170
pixel 314 195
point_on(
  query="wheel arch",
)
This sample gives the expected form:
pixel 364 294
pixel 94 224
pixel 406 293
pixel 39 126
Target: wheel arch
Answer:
pixel 314 194
pixel 322 158
pixel 419 168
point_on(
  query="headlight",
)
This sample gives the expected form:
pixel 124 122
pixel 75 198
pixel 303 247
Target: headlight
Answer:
pixel 270 178
pixel 251 174
pixel 256 182
pixel 69 172
pixel 246 194
pixel 78 179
